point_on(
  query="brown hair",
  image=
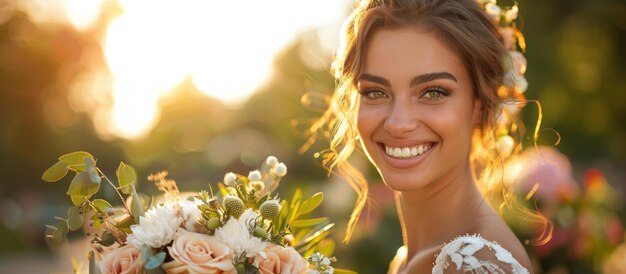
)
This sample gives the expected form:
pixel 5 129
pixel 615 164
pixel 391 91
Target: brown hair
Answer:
pixel 465 27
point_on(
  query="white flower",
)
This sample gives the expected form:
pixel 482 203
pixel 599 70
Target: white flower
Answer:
pixel 236 236
pixel 493 10
pixel 156 228
pixel 280 170
pixel 190 213
pixel 254 175
pixel 511 14
pixel 271 161
pixel 229 178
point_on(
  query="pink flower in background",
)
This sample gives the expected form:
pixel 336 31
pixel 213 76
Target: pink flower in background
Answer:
pixel 552 171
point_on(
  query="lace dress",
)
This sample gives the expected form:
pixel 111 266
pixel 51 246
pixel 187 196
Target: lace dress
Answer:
pixel 468 254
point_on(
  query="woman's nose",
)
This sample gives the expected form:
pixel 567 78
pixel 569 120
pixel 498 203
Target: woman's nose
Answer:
pixel 401 119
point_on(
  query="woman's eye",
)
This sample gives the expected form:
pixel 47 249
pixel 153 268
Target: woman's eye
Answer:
pixel 373 94
pixel 435 93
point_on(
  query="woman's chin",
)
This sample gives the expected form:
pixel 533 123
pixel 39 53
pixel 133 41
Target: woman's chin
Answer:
pixel 403 184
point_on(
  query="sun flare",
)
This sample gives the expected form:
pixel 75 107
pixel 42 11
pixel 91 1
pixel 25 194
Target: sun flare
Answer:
pixel 225 47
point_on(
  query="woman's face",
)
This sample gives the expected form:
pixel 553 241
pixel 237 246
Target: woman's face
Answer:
pixel 416 112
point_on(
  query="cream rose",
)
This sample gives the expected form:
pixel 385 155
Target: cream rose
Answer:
pixel 123 260
pixel 281 260
pixel 198 253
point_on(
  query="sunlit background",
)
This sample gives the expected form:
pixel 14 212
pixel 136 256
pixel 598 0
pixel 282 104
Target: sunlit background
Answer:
pixel 204 87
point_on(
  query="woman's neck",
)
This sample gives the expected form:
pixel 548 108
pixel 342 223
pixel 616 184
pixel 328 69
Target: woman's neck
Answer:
pixel 443 209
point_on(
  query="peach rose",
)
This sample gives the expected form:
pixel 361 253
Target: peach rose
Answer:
pixel 123 260
pixel 198 253
pixel 281 260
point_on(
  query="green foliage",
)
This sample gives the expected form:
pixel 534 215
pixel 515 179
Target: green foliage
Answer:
pixel 83 186
pixel 127 177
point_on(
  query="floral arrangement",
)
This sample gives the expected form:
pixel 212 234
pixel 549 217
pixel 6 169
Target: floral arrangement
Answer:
pixel 586 232
pixel 243 228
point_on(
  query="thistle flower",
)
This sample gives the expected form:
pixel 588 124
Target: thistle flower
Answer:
pixel 255 175
pixel 234 205
pixel 269 209
pixel 280 170
pixel 229 178
pixel 271 161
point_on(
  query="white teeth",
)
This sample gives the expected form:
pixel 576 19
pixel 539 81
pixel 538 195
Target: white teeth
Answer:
pixel 407 152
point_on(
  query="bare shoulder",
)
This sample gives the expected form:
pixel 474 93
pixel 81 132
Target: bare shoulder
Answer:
pixel 475 254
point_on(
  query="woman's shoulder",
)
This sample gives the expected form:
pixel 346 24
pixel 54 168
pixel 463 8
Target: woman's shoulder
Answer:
pixel 475 254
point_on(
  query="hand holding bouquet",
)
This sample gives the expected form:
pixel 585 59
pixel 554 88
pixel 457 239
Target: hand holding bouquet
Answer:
pixel 243 228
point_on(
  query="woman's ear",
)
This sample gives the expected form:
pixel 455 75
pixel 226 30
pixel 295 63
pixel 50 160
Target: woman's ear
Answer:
pixel 477 114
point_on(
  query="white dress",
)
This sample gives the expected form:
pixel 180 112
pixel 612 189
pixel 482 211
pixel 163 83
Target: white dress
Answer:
pixel 468 254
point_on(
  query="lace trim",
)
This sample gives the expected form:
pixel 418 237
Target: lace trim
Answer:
pixel 461 252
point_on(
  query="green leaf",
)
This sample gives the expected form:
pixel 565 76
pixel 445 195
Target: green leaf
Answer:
pixel 294 207
pixel 82 185
pixel 318 235
pixel 90 166
pixel 136 208
pixel 75 160
pixel 101 205
pixel 280 222
pixel 126 177
pixel 74 218
pixel 155 261
pixel 55 172
pixel 96 221
pixel 124 223
pixel 94 268
pixel 326 247
pixel 78 200
pixel 311 204
pixel 308 222
pixel 107 238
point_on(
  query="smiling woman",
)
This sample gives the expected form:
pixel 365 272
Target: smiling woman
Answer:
pixel 422 87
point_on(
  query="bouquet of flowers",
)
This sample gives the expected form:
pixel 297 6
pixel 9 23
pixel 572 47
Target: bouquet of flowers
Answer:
pixel 240 228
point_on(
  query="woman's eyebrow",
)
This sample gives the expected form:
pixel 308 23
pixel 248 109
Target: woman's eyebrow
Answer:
pixel 423 78
pixel 375 79
pixel 431 77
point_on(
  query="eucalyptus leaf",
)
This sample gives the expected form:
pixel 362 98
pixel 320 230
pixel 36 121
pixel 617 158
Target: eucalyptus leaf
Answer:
pixel 78 200
pixel 124 223
pixel 82 185
pixel 155 260
pixel 90 166
pixel 311 204
pixel 96 221
pixel 74 218
pixel 107 238
pixel 136 208
pixel 75 160
pixel 308 222
pixel 101 205
pixel 127 177
pixel 55 172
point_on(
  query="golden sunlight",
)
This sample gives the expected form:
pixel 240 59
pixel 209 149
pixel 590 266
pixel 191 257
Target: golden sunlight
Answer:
pixel 226 47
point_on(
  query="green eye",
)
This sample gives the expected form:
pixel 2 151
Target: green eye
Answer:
pixel 373 94
pixel 435 93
